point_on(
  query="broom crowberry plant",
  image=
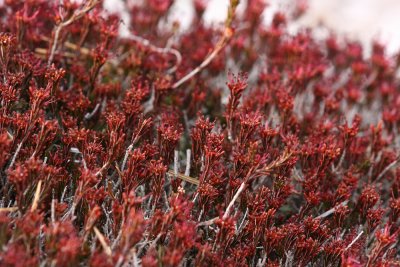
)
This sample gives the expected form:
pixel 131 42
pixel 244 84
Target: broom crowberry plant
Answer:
pixel 128 150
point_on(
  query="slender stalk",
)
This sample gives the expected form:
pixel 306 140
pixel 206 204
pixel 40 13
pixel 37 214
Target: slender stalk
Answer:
pixel 184 177
pixel 36 197
pixel 235 197
pixel 16 154
pixel 391 165
pixel 225 38
pixel 75 16
pixel 103 242
pixel 354 240
pixel 332 210
pixel 160 50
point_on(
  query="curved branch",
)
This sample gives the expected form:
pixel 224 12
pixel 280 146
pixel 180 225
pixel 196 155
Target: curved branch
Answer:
pixel 90 4
pixel 161 50
pixel 225 38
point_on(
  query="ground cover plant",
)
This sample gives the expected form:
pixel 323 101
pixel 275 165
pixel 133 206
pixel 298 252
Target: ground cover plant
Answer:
pixel 239 145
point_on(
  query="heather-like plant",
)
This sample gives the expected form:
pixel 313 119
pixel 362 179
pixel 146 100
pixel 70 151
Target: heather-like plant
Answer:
pixel 238 145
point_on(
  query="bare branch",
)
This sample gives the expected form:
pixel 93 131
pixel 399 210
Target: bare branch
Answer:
pixel 332 210
pixel 354 240
pixel 16 154
pixel 184 177
pixel 176 162
pixel 160 50
pixel 208 223
pixel 75 16
pixel 240 227
pixel 391 165
pixel 228 209
pixel 103 242
pixel 90 115
pixel 9 209
pixel 225 38
pixel 37 196
pixel 128 150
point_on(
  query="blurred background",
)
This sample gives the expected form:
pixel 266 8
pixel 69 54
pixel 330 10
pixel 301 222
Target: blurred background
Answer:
pixel 362 20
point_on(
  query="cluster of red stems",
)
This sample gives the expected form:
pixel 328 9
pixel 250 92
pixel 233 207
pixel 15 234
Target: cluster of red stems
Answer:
pixel 130 151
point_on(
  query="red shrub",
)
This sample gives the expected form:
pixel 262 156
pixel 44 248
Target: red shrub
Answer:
pixel 294 161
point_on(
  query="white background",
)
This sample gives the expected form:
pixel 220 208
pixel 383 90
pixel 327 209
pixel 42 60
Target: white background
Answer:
pixel 362 20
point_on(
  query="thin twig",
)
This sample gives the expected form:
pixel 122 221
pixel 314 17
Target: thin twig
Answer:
pixel 218 48
pixel 332 210
pixel 103 242
pixel 82 50
pixel 90 115
pixel 149 104
pixel 187 168
pixel 160 50
pixel 16 154
pixel 200 215
pixel 43 52
pixel 133 143
pixel 188 156
pixel 53 211
pixel 9 209
pixel 75 16
pixel 226 36
pixel 239 229
pixel 128 150
pixel 36 197
pixel 103 168
pixel 391 165
pixel 208 223
pixel 354 241
pixel 341 160
pixel 184 177
pixel 176 162
pixel 228 209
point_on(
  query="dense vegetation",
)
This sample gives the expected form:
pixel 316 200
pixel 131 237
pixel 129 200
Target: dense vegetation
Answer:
pixel 238 145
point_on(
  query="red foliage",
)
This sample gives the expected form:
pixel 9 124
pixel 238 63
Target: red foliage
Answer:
pixel 294 161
